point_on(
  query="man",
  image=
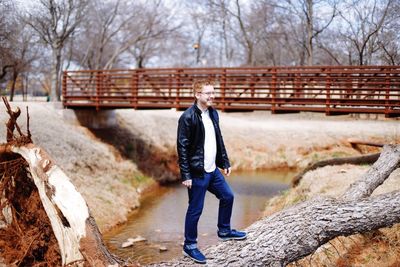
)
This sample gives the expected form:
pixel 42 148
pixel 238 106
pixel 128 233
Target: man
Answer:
pixel 201 152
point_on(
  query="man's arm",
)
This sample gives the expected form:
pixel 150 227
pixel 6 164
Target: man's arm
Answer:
pixel 183 143
pixel 224 155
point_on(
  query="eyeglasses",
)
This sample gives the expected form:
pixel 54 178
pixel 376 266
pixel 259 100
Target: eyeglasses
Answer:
pixel 207 93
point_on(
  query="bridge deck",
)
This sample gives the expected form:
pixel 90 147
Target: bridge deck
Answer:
pixel 330 89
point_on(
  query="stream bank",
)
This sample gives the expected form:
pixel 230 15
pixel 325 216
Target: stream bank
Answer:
pixel 111 180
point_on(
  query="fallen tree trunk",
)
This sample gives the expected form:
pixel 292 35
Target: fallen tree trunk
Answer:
pixel 298 231
pixel 356 160
pixel 77 234
pixel 78 237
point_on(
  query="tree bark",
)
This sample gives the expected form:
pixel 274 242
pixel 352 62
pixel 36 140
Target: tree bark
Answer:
pixel 13 83
pixel 298 231
pixel 55 74
pixel 376 175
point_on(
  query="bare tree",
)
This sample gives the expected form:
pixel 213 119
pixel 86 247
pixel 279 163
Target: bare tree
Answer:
pixel 200 21
pixel 55 21
pixel 389 37
pixel 273 46
pixel 307 20
pixel 363 22
pixel 103 23
pixel 17 48
pixel 239 26
pixel 245 37
pixel 7 20
pixel 116 31
pixel 148 32
pixel 24 53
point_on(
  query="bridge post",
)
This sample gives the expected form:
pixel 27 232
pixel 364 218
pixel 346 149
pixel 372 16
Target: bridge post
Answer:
pixel 64 86
pixel 178 88
pixel 273 89
pixel 387 96
pixel 99 85
pixel 328 93
pixel 223 89
pixel 135 88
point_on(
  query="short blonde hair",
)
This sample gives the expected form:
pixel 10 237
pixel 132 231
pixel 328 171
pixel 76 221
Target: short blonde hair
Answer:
pixel 199 84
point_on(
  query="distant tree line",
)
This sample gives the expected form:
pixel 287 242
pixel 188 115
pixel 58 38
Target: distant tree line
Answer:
pixel 40 39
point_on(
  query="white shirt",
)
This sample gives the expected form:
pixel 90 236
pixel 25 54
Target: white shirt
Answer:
pixel 210 143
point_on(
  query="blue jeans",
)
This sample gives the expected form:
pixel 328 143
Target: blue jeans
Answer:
pixel 216 184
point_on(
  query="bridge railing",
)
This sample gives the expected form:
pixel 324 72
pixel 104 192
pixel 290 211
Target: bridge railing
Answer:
pixel 329 89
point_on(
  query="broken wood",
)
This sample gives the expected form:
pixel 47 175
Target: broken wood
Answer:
pixel 356 160
pixel 76 232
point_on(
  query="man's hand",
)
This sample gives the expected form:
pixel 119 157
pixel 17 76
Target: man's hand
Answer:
pixel 227 171
pixel 187 183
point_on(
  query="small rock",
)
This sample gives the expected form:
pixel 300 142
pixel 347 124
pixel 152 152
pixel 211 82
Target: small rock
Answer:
pixel 132 241
pixel 342 171
pixel 127 244
pixel 162 248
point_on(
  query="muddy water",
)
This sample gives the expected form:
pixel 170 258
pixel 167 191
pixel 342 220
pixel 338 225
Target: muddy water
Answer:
pixel 161 216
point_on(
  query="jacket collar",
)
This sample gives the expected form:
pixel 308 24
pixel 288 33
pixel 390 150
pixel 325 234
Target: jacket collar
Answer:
pixel 196 108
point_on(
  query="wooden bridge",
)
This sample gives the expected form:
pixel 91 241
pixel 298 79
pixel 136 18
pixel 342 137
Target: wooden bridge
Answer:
pixel 329 89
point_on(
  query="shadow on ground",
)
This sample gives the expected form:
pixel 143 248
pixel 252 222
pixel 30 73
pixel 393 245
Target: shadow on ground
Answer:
pixel 151 161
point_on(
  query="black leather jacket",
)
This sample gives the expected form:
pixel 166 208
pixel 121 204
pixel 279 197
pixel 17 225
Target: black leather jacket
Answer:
pixel 190 143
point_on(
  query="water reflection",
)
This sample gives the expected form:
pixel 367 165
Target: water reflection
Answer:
pixel 161 217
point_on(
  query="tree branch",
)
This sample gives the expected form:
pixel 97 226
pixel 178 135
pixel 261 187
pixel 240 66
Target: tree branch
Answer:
pixel 376 175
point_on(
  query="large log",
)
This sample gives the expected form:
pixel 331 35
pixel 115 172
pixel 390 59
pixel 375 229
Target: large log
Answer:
pixel 77 234
pixel 298 231
pixel 78 237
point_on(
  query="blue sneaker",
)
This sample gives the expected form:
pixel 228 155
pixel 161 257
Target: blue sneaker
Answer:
pixel 232 235
pixel 194 254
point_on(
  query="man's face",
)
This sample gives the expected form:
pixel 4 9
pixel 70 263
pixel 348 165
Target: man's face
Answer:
pixel 206 96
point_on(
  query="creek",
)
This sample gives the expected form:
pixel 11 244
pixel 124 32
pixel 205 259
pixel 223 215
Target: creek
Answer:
pixel 160 218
